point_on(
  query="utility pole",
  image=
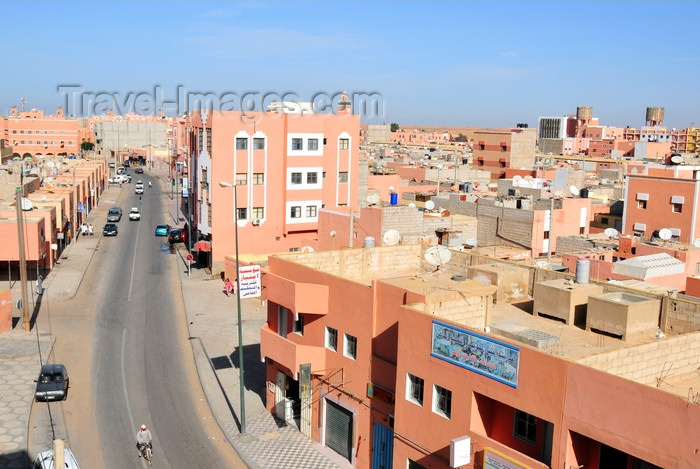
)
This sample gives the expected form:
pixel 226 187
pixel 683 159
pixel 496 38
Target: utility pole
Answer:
pixel 22 262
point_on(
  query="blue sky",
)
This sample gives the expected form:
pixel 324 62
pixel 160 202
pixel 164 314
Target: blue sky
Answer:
pixel 491 63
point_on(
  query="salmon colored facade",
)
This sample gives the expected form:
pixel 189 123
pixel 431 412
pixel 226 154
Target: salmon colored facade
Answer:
pixel 498 149
pixel 286 168
pixel 361 352
pixel 659 197
pixel 32 134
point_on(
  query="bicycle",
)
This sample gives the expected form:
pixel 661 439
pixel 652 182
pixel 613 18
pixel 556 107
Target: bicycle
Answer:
pixel 146 452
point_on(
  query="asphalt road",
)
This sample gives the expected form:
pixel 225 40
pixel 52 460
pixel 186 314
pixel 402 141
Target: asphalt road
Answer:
pixel 125 338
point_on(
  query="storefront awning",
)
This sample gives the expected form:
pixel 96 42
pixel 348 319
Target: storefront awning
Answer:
pixel 202 246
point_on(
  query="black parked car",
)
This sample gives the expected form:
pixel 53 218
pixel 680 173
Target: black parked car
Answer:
pixel 177 236
pixel 52 384
pixel 114 214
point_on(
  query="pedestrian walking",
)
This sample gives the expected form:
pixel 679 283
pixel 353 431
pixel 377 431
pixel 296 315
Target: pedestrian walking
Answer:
pixel 228 285
pixel 84 229
pixel 90 229
pixel 39 285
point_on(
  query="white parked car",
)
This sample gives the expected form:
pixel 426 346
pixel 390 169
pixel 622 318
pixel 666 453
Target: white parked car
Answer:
pixel 134 214
pixel 45 460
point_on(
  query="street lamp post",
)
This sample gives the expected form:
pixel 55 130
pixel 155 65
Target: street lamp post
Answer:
pixel 238 304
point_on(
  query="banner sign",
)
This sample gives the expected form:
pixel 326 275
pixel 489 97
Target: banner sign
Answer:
pixel 483 355
pixel 249 279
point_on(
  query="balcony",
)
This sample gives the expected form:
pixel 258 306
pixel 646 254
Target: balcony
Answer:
pixel 308 298
pixel 289 354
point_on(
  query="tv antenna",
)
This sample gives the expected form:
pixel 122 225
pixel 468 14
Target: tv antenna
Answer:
pixel 610 232
pixel 437 256
pixel 665 234
pixel 392 238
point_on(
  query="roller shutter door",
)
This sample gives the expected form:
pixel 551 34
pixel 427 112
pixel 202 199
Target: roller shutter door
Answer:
pixel 339 430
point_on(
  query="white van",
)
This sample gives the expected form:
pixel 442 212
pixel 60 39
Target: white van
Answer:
pixel 45 460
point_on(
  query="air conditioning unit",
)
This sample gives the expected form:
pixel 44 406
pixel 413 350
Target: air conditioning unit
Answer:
pixel 257 221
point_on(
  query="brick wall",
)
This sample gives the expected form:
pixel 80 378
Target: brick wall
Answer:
pixel 651 363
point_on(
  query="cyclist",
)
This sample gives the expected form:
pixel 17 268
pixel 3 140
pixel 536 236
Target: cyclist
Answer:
pixel 143 437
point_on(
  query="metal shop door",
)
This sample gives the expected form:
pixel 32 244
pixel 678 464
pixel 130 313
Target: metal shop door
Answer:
pixel 382 447
pixel 339 429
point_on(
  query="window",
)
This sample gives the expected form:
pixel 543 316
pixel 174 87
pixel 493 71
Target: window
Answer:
pixel 642 204
pixel 241 143
pixel 311 211
pixel 350 346
pixel 312 144
pixel 343 176
pixel 442 401
pixel 331 338
pixel 676 208
pixel 414 389
pixel 312 178
pixel 258 179
pixel 258 212
pixel 258 144
pixel 295 212
pixel 297 144
pixel 241 179
pixel 344 144
pixel 242 213
pixel 605 221
pixel 296 178
pixel 298 325
pixel 525 426
pixel 482 146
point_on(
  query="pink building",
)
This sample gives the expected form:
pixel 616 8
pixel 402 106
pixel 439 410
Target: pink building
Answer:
pixel 33 135
pixel 498 149
pixel 659 197
pixel 390 363
pixel 286 167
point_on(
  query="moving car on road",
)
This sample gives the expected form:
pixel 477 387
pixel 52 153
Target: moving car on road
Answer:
pixel 138 189
pixel 52 384
pixel 114 214
pixel 110 229
pixel 139 170
pixel 162 229
pixel 135 214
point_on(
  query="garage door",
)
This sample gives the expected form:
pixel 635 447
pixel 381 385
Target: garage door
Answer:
pixel 339 429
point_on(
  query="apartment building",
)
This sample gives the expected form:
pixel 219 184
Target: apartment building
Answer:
pixel 657 197
pixel 393 357
pixel 33 135
pixel 498 149
pixel 285 168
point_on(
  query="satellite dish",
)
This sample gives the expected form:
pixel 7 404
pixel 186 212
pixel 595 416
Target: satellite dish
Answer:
pixel 429 205
pixel 307 249
pixel 676 159
pixel 439 166
pixel 48 179
pixel 665 234
pixel 542 264
pixel 610 232
pixel 412 205
pixel 333 234
pixel 574 190
pixel 437 255
pixel 26 204
pixel 696 243
pixel 372 199
pixel 471 242
pixel 392 237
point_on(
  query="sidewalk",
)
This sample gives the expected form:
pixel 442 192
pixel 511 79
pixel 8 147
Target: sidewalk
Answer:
pixel 213 326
